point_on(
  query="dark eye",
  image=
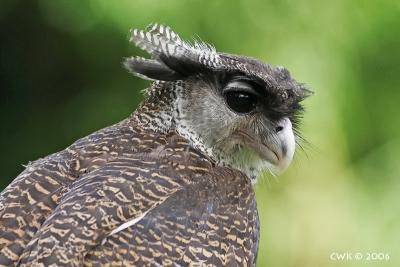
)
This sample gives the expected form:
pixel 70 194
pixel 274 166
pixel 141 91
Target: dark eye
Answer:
pixel 241 102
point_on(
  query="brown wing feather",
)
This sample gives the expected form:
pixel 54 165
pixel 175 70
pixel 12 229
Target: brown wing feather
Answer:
pixel 211 221
pixel 192 211
pixel 29 200
pixel 32 197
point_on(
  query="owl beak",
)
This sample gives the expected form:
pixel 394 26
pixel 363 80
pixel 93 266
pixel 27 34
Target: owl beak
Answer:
pixel 282 146
pixel 277 149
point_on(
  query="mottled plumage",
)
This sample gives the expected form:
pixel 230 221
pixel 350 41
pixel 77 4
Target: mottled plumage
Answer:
pixel 172 184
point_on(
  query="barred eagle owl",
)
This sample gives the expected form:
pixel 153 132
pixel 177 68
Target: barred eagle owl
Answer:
pixel 171 185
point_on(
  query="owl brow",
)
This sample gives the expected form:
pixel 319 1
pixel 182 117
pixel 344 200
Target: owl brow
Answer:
pixel 258 85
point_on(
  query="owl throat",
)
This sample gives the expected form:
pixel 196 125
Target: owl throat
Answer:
pixel 163 111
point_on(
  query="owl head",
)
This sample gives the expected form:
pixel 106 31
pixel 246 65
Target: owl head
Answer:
pixel 239 111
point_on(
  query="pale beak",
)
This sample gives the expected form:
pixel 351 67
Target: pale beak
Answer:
pixel 278 149
pixel 284 146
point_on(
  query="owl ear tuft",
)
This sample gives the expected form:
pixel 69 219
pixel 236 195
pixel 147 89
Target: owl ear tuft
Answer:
pixel 172 58
pixel 150 69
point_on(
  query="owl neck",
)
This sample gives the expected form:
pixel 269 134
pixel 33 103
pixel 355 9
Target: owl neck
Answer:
pixel 162 112
pixel 157 112
pixel 154 112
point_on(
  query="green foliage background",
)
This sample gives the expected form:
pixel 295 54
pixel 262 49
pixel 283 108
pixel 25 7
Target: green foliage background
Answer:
pixel 61 79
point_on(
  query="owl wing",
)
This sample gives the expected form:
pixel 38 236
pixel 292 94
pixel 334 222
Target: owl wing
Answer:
pixel 94 206
pixel 30 199
pixel 211 222
pixel 34 194
pixel 168 205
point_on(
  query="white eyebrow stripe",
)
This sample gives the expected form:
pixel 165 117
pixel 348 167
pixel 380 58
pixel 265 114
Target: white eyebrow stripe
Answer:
pixel 239 84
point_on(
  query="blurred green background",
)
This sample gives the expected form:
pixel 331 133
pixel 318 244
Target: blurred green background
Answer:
pixel 61 79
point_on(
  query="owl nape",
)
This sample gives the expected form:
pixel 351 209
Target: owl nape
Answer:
pixel 171 185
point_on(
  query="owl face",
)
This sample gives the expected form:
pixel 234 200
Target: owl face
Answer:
pixel 238 110
pixel 239 120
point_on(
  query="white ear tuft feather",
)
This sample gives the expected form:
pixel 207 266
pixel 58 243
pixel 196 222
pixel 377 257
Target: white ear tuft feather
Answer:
pixel 171 55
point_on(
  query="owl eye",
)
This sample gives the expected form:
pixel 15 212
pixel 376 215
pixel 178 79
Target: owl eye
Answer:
pixel 240 96
pixel 241 102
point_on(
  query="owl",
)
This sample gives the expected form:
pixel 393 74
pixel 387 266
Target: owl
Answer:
pixel 172 184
